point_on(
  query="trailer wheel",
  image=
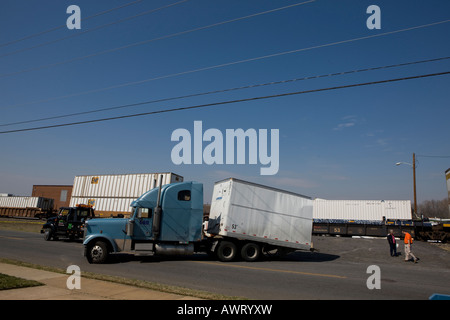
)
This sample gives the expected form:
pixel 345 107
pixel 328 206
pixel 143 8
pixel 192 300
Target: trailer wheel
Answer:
pixel 97 253
pixel 250 252
pixel 226 251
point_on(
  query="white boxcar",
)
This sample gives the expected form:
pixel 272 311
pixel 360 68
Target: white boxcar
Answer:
pixel 26 202
pixel 113 193
pixel 250 211
pixel 361 210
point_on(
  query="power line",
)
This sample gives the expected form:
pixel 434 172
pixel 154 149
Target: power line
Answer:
pixel 95 28
pixel 151 40
pixel 425 156
pixel 229 64
pixel 230 89
pixel 228 102
pixel 63 25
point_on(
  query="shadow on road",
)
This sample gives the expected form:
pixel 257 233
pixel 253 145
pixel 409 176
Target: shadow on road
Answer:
pixel 300 256
pixel 310 257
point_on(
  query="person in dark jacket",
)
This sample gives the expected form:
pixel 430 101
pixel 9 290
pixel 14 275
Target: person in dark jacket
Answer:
pixel 392 243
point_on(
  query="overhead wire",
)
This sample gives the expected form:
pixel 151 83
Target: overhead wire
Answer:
pixel 64 26
pixel 93 29
pixel 231 89
pixel 426 156
pixel 152 40
pixel 228 102
pixel 230 63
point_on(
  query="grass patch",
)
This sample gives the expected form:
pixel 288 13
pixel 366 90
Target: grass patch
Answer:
pixel 9 282
pixel 34 226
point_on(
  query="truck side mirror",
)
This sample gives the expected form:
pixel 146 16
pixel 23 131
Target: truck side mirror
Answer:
pixel 143 213
pixel 130 228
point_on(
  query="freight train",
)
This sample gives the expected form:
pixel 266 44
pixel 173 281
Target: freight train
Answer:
pixel 374 218
pixel 420 229
pixel 28 207
pixel 111 195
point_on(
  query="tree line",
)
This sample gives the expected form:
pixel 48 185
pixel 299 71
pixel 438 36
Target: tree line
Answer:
pixel 434 208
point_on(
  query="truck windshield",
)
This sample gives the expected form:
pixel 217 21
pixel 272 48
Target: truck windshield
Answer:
pixel 82 213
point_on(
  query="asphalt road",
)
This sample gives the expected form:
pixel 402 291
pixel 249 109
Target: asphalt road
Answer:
pixel 338 271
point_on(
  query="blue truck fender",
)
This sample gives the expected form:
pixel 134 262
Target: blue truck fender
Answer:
pixel 93 238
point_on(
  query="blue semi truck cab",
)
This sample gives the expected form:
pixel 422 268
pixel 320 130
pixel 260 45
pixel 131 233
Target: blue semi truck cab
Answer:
pixel 166 220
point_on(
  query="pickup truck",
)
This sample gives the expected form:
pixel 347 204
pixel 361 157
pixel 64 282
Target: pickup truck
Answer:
pixel 245 220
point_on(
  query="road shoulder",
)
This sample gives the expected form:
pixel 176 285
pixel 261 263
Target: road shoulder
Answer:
pixel 55 288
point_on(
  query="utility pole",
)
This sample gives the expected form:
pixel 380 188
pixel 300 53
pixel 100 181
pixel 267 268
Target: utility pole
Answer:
pixel 413 165
pixel 414 178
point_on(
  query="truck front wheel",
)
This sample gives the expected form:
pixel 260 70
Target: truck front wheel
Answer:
pixel 48 234
pixel 226 251
pixel 250 252
pixel 97 253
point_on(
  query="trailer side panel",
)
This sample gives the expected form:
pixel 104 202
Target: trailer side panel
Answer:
pixel 245 210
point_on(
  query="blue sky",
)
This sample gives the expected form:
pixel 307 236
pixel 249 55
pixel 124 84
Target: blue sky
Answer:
pixel 340 144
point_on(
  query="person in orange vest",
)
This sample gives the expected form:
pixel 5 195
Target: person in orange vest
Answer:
pixel 408 243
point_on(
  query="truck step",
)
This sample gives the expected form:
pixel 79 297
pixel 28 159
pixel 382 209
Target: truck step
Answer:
pixel 144 253
pixel 144 249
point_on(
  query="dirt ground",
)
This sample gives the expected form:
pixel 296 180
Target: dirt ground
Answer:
pixel 445 246
pixel 21 224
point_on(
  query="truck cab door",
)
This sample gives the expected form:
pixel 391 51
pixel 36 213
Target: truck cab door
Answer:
pixel 64 216
pixel 182 215
pixel 142 229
